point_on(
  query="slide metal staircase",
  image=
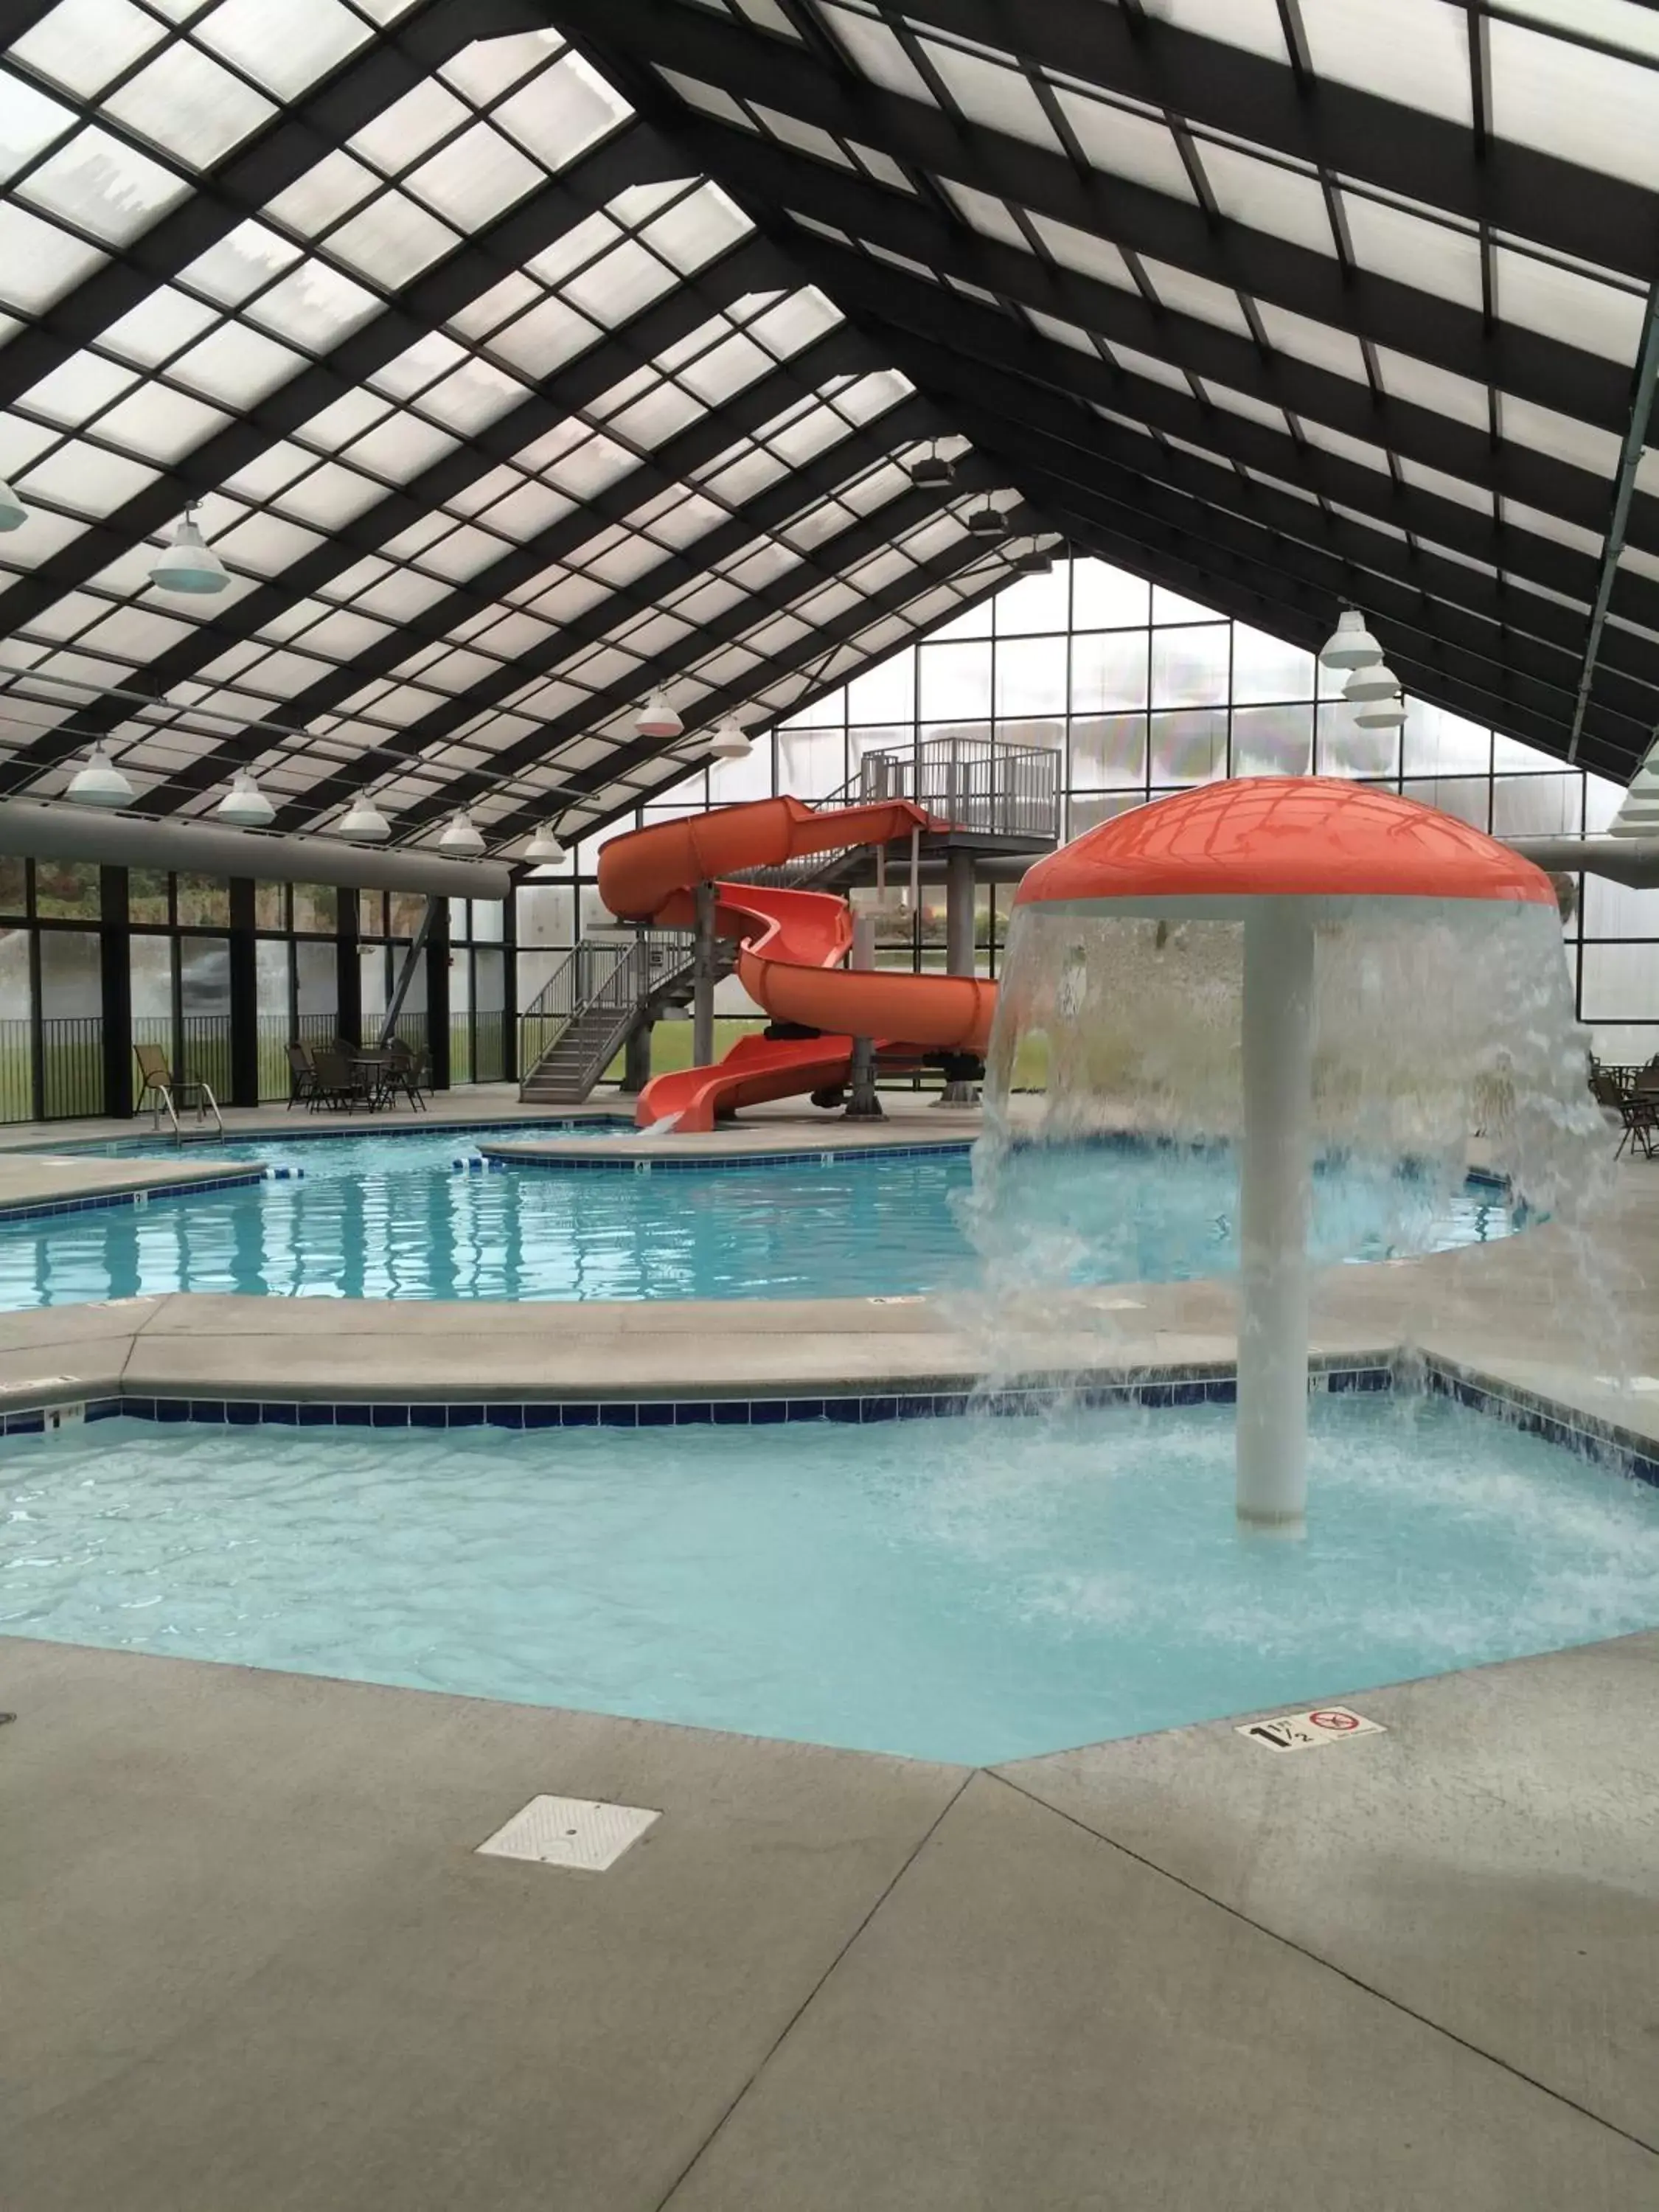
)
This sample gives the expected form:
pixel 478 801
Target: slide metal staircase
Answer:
pixel 592 1003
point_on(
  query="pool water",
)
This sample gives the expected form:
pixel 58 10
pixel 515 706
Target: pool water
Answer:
pixel 965 1588
pixel 379 1217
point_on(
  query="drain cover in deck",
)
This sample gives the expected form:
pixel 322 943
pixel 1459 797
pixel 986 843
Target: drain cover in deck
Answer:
pixel 570 1831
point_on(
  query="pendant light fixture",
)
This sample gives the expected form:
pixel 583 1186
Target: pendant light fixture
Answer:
pixel 545 850
pixel 1375 681
pixel 730 742
pixel 244 806
pixel 364 825
pixel 1032 561
pixel 1350 645
pixel 933 472
pixel 13 513
pixel 657 717
pixel 461 836
pixel 190 563
pixel 1381 713
pixel 99 783
pixel 987 523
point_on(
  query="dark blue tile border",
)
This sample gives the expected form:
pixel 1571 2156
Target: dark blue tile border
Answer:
pixel 245 1172
pixel 817 1156
pixel 1556 1424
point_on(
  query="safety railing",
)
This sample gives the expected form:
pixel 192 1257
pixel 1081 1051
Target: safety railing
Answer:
pixel 601 977
pixel 976 784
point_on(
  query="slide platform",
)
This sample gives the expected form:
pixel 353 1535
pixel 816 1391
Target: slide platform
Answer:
pixel 791 946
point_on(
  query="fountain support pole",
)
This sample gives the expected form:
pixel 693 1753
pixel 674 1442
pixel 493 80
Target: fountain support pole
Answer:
pixel 1275 1188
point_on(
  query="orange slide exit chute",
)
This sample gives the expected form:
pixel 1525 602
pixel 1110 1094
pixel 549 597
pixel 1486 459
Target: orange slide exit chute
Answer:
pixel 791 946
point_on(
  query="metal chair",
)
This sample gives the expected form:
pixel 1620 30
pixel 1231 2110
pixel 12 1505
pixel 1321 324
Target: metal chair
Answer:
pixel 407 1071
pixel 162 1088
pixel 302 1075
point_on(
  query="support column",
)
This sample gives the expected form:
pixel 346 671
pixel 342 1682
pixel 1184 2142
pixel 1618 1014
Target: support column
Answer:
pixel 1275 1188
pixel 636 1060
pixel 437 994
pixel 115 967
pixel 863 1105
pixel 348 984
pixel 702 980
pixel 244 995
pixel 959 1090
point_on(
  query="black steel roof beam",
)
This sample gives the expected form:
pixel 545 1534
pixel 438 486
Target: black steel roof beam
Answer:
pixel 296 137
pixel 961 340
pixel 823 475
pixel 428 303
pixel 570 388
pixel 840 629
pixel 760 170
pixel 1513 672
pixel 838 352
pixel 1542 637
pixel 1623 498
pixel 1584 212
pixel 856 541
pixel 1573 381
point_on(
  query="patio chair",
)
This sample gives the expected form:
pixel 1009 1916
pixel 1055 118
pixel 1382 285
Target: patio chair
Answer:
pixel 302 1075
pixel 161 1087
pixel 1636 1106
pixel 406 1071
pixel 339 1082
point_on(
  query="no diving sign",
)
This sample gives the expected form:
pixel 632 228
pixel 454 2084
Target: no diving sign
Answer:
pixel 1308 1731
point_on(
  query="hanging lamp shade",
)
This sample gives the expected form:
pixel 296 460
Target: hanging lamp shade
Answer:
pixel 987 522
pixel 1375 681
pixel 545 850
pixel 1381 713
pixel 99 783
pixel 189 564
pixel 364 823
pixel 933 472
pixel 1350 645
pixel 13 513
pixel 1032 561
pixel 657 717
pixel 730 742
pixel 461 837
pixel 244 806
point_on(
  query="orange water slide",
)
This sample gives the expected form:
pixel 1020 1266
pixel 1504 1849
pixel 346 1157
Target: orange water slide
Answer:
pixel 791 946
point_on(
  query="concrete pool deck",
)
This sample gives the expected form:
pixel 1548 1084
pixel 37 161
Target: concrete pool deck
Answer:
pixel 252 1959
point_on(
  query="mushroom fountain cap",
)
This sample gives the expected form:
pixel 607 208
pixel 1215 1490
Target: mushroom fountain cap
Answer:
pixel 1212 850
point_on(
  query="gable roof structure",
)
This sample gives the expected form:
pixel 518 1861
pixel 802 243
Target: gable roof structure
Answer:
pixel 526 354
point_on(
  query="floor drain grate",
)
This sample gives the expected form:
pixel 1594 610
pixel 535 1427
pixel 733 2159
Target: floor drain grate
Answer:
pixel 570 1831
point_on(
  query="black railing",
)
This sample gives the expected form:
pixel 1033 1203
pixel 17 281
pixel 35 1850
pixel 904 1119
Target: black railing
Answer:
pixel 71 1068
pixel 609 975
pixel 974 784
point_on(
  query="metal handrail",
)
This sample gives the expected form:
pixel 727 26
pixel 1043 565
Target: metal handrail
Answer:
pixel 605 977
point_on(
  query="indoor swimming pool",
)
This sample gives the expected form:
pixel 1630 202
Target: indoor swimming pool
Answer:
pixel 966 1588
pixel 396 1217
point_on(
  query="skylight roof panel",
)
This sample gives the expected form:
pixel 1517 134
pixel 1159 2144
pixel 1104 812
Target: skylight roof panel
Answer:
pixel 874 50
pixel 741 479
pixel 589 467
pixel 1267 195
pixel 882 167
pixel 417 366
pixel 314 305
pixel 473 178
pixel 162 425
pixel 38 263
pixel 269 471
pixel 1433 256
pixel 86 479
pixel 1125 145
pixel 656 633
pixel 77 387
pixel 571 596
pixel 808 433
pixel 185 103
pixel 1307 340
pixel 874 488
pixel 1083 251
pixel 794 322
pixel 532 507
pixel 265 543
pixel 1350 449
pixel 1066 334
pixel 1561 303
pixel 1588 542
pixel 690 234
pixel 616 288
pixel 1136 363
pixel 726 667
pixel 240 264
pixel 721 373
pixel 566 110
pixel 707 99
pixel 991 218
pixel 84 45
pixel 872 395
pixel 411 126
pixel 391 239
pixel 991 93
pixel 236 366
pixel 1438 389
pixel 463 553
pixel 1566 100
pixel 777 635
pixel 658 416
pixel 817 526
pixel 496 305
pixel 547 336
pixel 335 184
pixel 1446 487
pixel 1416 51
pixel 1542 430
pixel 687 521
pixel 330 495
pixel 104 185
pixel 1244 404
pixel 285 48
pixel 806 137
pixel 342 635
pixel 623 563
pixel 1196 296
pixel 515 634
pixel 475 393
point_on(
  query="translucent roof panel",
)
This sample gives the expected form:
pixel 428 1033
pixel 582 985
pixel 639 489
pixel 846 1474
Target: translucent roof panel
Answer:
pixel 1130 268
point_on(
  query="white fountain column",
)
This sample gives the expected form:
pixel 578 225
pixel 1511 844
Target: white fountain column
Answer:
pixel 1275 1191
